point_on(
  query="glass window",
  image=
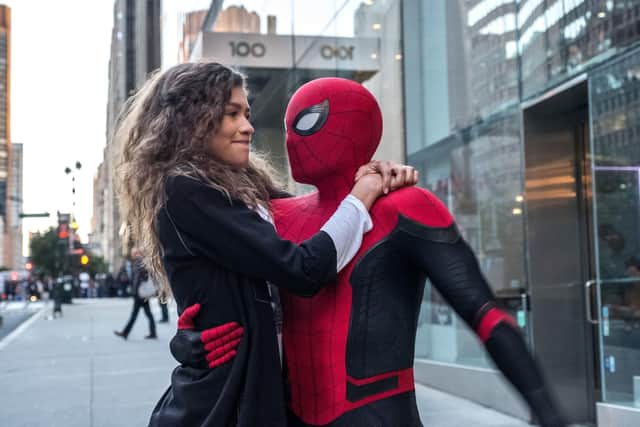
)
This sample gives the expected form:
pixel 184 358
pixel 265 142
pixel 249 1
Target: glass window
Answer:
pixel 615 126
pixel 560 38
pixel 476 172
pixel 463 134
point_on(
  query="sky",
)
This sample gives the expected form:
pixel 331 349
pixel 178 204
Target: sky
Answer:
pixel 59 76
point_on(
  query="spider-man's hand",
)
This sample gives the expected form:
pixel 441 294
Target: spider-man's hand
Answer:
pixel 394 175
pixel 209 348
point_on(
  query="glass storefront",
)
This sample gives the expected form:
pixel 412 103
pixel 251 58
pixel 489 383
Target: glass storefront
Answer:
pixel 469 66
pixel 463 134
pixel 615 115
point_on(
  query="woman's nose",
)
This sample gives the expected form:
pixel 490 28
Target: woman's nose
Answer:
pixel 247 127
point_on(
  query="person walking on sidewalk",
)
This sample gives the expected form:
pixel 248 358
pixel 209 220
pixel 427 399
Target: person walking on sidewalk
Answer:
pixel 164 310
pixel 139 275
pixel 198 206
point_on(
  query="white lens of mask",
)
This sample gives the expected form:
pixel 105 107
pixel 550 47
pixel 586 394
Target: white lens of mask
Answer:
pixel 307 121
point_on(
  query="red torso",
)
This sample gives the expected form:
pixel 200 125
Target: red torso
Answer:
pixel 316 330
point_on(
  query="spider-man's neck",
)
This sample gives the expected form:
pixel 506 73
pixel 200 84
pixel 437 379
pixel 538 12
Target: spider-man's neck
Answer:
pixel 334 188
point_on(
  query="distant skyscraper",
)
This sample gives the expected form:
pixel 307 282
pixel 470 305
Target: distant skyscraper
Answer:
pixel 135 52
pixel 191 27
pixel 14 256
pixel 271 24
pixel 236 19
pixel 5 133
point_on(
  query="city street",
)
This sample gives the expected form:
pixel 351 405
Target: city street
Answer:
pixel 14 313
pixel 73 372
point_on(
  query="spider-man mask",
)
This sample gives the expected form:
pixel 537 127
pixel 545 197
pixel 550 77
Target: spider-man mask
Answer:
pixel 333 127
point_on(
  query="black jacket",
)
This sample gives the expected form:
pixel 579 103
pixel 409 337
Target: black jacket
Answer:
pixel 220 254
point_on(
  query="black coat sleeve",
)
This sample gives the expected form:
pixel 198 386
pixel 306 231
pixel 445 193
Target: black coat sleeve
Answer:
pixel 234 236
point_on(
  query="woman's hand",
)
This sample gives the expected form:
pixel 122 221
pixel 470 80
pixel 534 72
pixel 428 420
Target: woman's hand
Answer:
pixel 393 175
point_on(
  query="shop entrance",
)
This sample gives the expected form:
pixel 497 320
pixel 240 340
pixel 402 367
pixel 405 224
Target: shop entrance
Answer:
pixel 559 239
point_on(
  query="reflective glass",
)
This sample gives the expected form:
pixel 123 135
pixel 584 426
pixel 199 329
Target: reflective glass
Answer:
pixel 615 108
pixel 463 134
pixel 560 38
pixel 476 172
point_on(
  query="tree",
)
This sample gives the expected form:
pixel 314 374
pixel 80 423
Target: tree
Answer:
pixel 44 247
pixel 50 258
pixel 97 264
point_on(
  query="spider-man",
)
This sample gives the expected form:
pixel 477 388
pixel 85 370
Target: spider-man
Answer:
pixel 349 350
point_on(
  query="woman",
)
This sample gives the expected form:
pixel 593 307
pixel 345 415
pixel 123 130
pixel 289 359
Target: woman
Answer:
pixel 199 208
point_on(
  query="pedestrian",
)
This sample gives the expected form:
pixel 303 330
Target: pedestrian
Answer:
pixel 164 310
pixel 123 282
pixel 198 205
pixel 139 275
pixel 58 296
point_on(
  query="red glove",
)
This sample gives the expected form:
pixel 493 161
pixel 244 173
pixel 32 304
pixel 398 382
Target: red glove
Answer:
pixel 211 347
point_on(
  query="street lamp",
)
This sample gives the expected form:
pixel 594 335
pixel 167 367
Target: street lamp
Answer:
pixel 70 171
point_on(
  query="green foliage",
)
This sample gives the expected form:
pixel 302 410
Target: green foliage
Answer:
pixel 43 252
pixel 97 264
pixel 51 257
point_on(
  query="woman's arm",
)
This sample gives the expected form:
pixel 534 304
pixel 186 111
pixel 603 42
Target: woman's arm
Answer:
pixel 237 238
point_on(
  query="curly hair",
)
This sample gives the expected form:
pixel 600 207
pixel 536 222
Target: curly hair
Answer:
pixel 163 131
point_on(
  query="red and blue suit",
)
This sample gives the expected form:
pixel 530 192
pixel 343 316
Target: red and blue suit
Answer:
pixel 349 349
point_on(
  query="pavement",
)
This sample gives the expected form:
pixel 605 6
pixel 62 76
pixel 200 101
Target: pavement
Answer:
pixel 13 313
pixel 73 372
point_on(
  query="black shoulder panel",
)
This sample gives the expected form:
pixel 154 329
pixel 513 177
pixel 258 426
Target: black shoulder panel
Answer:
pixel 449 234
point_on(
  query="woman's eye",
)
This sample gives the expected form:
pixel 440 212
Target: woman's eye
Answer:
pixel 232 113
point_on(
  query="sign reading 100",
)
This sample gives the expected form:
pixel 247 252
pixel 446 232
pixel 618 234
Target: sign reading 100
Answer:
pixel 245 49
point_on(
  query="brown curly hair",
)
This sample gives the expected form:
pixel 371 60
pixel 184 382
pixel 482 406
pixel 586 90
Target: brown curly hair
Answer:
pixel 163 131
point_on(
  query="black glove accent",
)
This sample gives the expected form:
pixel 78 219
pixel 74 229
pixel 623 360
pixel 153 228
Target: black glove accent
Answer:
pixel 187 348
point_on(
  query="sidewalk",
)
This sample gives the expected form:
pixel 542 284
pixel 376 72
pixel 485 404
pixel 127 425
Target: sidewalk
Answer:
pixel 73 372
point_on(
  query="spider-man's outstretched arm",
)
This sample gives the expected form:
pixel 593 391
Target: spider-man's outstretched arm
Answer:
pixel 453 269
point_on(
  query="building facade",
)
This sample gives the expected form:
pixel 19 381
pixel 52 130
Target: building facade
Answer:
pixel 191 27
pixel 135 52
pixel 523 117
pixel 237 19
pixel 6 245
pixel 15 206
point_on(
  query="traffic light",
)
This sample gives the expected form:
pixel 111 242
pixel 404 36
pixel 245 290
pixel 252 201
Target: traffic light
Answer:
pixel 28 266
pixel 63 231
pixel 84 259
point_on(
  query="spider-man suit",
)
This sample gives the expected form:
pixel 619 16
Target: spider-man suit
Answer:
pixel 349 350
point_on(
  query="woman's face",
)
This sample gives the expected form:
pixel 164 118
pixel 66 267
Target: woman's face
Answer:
pixel 230 144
